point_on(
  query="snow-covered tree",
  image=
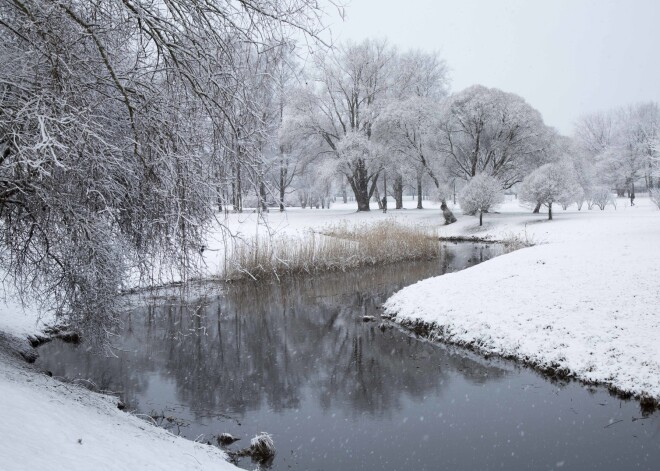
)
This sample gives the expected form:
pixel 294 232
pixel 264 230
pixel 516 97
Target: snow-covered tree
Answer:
pixel 351 85
pixel 549 184
pixel 655 196
pixel 481 194
pixel 621 145
pixel 407 125
pixel 485 130
pixel 600 196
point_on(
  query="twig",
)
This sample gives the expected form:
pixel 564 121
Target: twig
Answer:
pixel 609 425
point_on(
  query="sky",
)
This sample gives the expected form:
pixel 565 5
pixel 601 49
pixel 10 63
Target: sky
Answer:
pixel 565 57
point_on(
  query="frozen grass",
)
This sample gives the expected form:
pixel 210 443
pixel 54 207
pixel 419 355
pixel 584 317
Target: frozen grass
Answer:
pixel 513 242
pixel 339 247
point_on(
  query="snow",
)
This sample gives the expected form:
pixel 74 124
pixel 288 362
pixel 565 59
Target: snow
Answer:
pixel 584 299
pixel 21 321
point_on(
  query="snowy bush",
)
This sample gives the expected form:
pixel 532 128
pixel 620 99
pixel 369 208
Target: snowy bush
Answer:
pixel 480 195
pixel 550 183
pixel 601 196
pixel 576 196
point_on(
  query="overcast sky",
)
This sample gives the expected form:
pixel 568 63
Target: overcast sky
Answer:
pixel 565 57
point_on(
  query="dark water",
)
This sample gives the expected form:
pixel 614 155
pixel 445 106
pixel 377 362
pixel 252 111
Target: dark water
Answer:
pixel 296 360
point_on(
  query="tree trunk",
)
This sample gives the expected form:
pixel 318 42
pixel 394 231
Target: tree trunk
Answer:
pixel 384 203
pixel 398 191
pixel 378 200
pixel 419 192
pixel 537 209
pixel 632 193
pixel 481 218
pixel 262 197
pixel 550 211
pixel 359 181
pixel 283 175
pixel 238 197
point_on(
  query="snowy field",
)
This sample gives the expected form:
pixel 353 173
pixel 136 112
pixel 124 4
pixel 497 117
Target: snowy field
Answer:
pixel 584 298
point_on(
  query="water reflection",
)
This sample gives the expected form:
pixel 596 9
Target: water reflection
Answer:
pixel 297 360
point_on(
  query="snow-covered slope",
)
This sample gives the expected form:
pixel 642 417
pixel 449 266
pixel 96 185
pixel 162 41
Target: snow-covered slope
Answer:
pixel 585 299
pixel 48 424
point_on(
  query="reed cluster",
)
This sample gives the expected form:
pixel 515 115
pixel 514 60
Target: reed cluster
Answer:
pixel 337 248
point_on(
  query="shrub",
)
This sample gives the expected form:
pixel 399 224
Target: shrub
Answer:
pixel 480 195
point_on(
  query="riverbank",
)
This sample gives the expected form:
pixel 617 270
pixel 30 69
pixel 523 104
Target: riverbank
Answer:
pixel 582 302
pixel 48 424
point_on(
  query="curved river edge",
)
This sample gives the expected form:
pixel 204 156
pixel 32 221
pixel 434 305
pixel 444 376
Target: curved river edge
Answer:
pixel 439 333
pixel 553 371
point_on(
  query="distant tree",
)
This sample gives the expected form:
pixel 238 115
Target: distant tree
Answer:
pixel 621 144
pixel 485 130
pixel 351 87
pixel 595 132
pixel 480 195
pixel 549 184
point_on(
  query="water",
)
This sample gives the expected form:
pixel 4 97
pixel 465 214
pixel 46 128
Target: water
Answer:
pixel 295 359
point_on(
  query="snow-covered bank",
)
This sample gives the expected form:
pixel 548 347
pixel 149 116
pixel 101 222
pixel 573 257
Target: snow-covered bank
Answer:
pixel 48 424
pixel 584 300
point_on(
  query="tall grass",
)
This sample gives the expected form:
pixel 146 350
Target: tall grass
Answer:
pixel 336 248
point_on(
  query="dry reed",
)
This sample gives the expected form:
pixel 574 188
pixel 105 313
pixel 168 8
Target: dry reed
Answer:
pixel 338 248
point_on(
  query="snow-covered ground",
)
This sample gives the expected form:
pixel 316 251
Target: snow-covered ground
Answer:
pixel 584 299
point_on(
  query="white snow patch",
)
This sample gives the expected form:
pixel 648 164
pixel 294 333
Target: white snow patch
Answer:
pixel 585 299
